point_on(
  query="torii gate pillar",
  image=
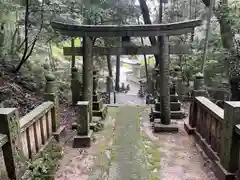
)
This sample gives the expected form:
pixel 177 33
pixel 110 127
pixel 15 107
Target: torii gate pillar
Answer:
pixel 88 72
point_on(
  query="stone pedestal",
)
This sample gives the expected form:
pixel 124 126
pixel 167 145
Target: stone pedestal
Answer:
pixel 175 106
pixel 83 137
pixel 99 109
pixel 158 127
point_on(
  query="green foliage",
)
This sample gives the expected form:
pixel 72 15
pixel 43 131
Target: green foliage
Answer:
pixel 44 167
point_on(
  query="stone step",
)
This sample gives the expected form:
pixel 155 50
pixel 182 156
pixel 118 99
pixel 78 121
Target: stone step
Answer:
pixel 173 98
pixel 97 105
pixel 101 113
pixel 96 97
pixel 174 114
pixel 174 106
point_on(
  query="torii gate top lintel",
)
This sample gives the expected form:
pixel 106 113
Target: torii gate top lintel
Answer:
pixel 75 30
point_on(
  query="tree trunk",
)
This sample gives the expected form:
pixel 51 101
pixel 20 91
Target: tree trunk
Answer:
pixel 207 36
pixel 147 20
pixel 227 37
pixel 145 58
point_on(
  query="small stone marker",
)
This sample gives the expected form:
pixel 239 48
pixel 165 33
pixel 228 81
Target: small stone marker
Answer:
pixel 83 138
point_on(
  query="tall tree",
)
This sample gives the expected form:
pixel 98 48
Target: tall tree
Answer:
pixel 208 26
pixel 147 20
pixel 227 33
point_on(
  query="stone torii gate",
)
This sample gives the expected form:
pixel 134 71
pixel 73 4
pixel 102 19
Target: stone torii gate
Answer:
pixel 88 32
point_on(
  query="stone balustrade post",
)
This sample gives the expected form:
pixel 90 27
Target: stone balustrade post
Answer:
pixel 51 94
pixel 229 141
pixel 9 119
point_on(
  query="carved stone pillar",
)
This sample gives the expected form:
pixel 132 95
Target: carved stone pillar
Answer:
pixel 88 72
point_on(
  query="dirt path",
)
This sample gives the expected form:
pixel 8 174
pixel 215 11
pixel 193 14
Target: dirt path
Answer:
pixel 180 157
pixel 127 149
pixel 87 163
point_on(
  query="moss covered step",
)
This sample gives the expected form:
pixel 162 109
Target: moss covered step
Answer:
pixel 128 158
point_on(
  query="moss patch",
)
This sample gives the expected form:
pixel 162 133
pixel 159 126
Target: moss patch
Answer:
pixel 152 153
pixel 153 157
pixel 101 165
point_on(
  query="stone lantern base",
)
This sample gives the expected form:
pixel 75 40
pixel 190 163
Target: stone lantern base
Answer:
pixel 158 127
pixel 175 107
pixel 82 141
pixel 99 109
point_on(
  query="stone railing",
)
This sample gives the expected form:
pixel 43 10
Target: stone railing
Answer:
pixel 23 139
pixel 36 128
pixel 217 131
pixel 207 120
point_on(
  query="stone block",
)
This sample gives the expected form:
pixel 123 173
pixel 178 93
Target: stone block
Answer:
pixel 177 114
pixel 173 98
pixel 174 106
pixel 74 126
pixel 93 126
pixel 97 105
pixel 222 173
pixel 82 141
pixel 157 127
pixel 94 123
pixel 174 114
pixel 96 97
pixel 59 132
pixel 189 128
pixel 101 113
